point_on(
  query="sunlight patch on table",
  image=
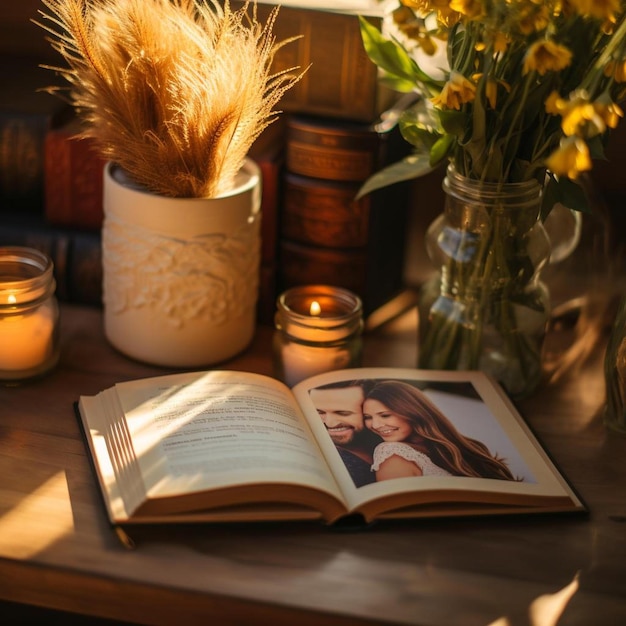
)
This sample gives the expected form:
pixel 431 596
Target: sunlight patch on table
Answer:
pixel 545 610
pixel 39 520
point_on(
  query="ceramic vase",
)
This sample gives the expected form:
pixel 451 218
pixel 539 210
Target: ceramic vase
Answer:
pixel 181 275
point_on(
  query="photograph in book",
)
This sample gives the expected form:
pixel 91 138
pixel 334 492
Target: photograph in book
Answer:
pixel 235 446
pixel 434 428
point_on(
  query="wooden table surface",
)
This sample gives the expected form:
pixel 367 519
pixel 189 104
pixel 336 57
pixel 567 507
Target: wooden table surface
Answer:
pixel 57 550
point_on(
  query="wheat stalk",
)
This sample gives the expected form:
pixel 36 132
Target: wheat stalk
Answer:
pixel 174 91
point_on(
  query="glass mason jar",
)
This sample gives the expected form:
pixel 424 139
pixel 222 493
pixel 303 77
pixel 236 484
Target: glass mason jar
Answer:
pixel 318 329
pixel 615 373
pixel 29 314
pixel 486 308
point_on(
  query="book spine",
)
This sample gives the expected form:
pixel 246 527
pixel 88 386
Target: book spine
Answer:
pixel 271 166
pixel 374 270
pixel 77 256
pixel 268 152
pixel 302 265
pixel 21 161
pixel 26 115
pixel 324 213
pixel 326 235
pixel 73 181
pixel 268 293
pixel 331 149
pixel 271 195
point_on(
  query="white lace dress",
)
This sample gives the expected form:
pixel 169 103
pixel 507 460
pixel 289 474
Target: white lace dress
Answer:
pixel 387 449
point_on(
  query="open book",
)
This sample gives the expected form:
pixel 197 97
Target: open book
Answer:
pixel 231 446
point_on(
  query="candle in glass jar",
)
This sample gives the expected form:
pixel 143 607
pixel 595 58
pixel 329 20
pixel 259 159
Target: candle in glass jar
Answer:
pixel 28 313
pixel 318 329
pixel 25 340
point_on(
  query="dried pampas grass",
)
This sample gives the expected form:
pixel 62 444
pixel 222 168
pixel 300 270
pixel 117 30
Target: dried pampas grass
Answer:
pixel 174 91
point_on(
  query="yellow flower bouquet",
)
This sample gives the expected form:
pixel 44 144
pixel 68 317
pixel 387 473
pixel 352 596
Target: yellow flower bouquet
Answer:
pixel 527 87
pixel 515 93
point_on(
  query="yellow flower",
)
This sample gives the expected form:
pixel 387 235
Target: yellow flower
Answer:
pixel 555 105
pixel 445 15
pixel 491 91
pixel 414 29
pixel 546 55
pixel 457 91
pixel 502 59
pixel 608 110
pixel 581 117
pixel 500 42
pixel 570 159
pixel 578 117
pixel 491 88
pixel 427 44
pixel 470 8
pixel 599 9
pixel 404 18
pixel 616 70
pixel 533 17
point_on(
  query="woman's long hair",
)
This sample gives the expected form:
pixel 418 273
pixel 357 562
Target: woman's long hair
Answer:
pixel 447 447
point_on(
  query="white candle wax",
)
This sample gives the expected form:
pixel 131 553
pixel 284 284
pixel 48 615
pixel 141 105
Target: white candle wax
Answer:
pixel 301 361
pixel 26 340
pixel 318 330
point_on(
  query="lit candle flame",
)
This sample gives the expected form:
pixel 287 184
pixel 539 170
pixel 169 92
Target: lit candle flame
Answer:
pixel 315 309
pixel 11 299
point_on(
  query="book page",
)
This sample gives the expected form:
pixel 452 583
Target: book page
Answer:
pixel 208 430
pixel 476 409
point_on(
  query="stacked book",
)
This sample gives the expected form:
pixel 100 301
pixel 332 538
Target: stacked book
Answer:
pixel 327 141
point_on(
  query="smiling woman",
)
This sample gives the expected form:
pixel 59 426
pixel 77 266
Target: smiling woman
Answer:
pixel 418 440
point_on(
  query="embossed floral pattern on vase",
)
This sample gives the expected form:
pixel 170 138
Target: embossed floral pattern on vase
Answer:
pixel 181 275
pixel 212 277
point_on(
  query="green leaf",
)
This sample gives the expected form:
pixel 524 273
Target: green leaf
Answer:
pixel 419 126
pixel 395 83
pixel 441 149
pixel 453 122
pixel 418 136
pixel 390 55
pixel 566 192
pixel 596 147
pixel 412 166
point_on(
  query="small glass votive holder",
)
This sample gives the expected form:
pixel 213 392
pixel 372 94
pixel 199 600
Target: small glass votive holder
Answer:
pixel 29 314
pixel 318 329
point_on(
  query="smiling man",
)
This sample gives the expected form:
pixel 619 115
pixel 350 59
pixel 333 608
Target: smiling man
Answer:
pixel 340 405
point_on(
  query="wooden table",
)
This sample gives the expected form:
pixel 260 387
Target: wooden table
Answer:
pixel 57 550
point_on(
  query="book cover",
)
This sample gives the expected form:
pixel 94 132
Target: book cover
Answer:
pixel 73 179
pixel 341 81
pixel 76 254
